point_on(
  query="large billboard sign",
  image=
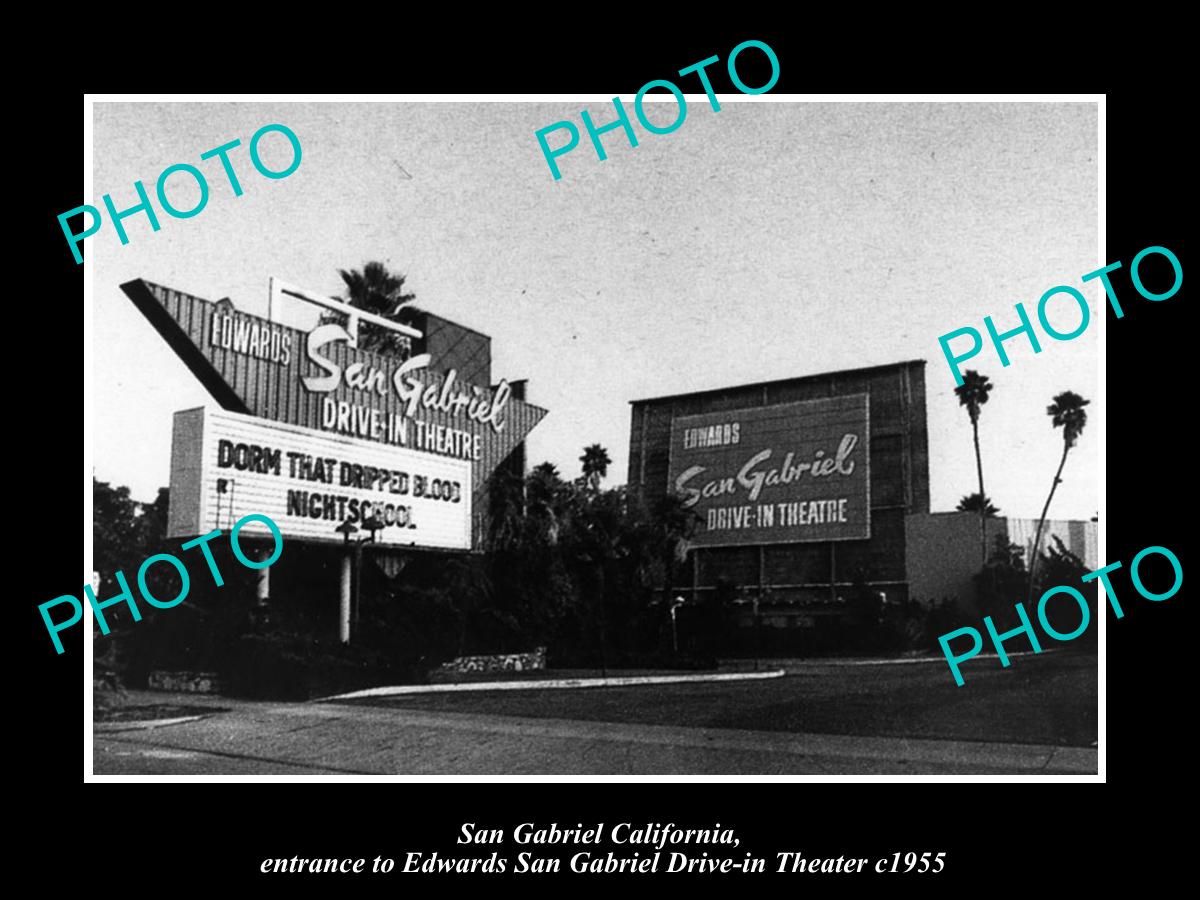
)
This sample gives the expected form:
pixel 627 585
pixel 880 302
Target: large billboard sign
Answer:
pixel 226 465
pixel 321 380
pixel 788 473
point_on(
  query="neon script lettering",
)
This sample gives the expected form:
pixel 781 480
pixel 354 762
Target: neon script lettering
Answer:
pixel 754 479
pixel 408 380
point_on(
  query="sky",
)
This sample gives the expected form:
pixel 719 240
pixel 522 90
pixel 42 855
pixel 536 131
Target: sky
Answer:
pixel 769 240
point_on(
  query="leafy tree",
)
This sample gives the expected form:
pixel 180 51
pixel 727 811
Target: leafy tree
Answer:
pixel 546 471
pixel 674 524
pixel 575 567
pixel 548 500
pixel 597 533
pixel 1001 581
pixel 1007 553
pixel 534 590
pixel 116 546
pixel 152 538
pixel 972 394
pixel 506 509
pixel 124 534
pixel 117 535
pixel 1066 412
pixel 470 592
pixel 152 524
pixel 970 503
pixel 1059 566
pixel 376 290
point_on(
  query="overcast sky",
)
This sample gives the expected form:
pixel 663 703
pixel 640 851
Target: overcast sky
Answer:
pixel 767 240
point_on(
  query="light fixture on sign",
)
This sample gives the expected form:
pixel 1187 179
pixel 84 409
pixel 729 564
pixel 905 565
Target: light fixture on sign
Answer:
pixel 280 289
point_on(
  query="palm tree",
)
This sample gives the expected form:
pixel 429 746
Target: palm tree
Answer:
pixel 506 509
pixel 595 465
pixel 378 291
pixel 545 499
pixel 546 471
pixel 1066 412
pixel 973 393
pixel 970 503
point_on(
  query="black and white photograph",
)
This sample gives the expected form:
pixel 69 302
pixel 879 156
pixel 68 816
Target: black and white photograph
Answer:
pixel 679 434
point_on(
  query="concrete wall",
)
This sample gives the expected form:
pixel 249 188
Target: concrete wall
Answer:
pixel 1079 536
pixel 942 550
pixel 791 576
pixel 185 505
pixel 942 555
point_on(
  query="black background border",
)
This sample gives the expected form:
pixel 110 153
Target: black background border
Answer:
pixel 995 836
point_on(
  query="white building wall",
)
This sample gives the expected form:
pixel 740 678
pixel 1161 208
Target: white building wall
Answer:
pixel 1079 537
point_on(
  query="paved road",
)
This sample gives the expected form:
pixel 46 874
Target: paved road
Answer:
pixel 337 738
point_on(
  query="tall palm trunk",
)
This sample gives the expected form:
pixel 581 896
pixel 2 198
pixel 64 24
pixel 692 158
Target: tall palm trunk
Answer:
pixel 1037 538
pixel 982 496
pixel 668 576
pixel 603 582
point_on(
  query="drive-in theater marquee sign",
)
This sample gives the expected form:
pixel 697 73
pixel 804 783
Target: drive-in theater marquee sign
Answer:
pixel 788 473
pixel 318 432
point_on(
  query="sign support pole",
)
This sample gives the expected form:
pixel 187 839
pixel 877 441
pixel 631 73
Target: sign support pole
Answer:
pixel 344 607
pixel 262 587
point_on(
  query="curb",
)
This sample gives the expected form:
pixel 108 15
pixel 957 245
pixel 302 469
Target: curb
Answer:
pixel 1073 760
pixel 143 725
pixel 818 662
pixel 550 683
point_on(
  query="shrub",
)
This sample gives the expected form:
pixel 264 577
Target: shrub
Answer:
pixel 1002 583
pixel 289 666
pixel 1059 566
